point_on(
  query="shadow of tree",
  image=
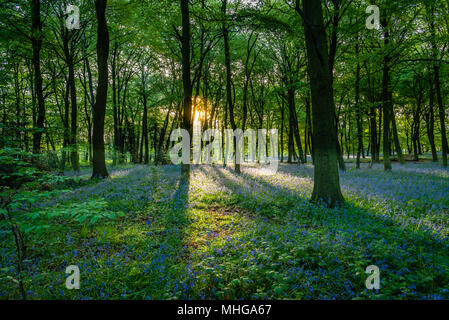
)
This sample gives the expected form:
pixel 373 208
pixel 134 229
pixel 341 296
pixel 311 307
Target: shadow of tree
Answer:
pixel 413 262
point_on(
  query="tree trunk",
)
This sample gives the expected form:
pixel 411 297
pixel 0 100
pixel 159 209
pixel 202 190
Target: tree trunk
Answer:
pixel 436 73
pixel 36 42
pixel 116 141
pixel 326 176
pixel 431 122
pixel 74 114
pixel 186 82
pixel 386 102
pixel 66 132
pixel 146 157
pixel 294 121
pixel 99 162
pixel 229 100
pixel 282 129
pixel 395 132
pixel 442 115
pixel 415 131
pixel 290 142
pixel 358 109
pixel 373 134
pixel 309 127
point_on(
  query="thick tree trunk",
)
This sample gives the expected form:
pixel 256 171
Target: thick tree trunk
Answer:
pixel 99 110
pixel 186 81
pixel 326 176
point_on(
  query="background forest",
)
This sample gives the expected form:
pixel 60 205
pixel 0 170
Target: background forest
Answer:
pixel 86 179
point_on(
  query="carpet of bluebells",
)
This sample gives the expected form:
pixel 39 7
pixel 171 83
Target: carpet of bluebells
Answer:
pixel 247 236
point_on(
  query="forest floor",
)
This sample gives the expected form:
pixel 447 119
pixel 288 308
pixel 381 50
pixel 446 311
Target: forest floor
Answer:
pixel 248 236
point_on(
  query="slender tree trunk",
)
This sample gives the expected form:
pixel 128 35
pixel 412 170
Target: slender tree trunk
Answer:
pixel 397 144
pixel 115 106
pixel 290 142
pixel 74 112
pixel 91 92
pixel 146 157
pixel 442 115
pixel 36 42
pixel 66 133
pixel 340 160
pixel 436 74
pixel 294 120
pixel 415 132
pixel 386 101
pixel 282 130
pixel 89 124
pixel 99 110
pixel 373 134
pixel 229 100
pixel 17 90
pixel 309 127
pixel 358 109
pixel 431 122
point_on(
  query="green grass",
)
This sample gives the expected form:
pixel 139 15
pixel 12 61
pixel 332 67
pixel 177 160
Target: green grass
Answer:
pixel 229 237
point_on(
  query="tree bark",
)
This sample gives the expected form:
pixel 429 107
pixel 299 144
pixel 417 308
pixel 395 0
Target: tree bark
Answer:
pixel 386 102
pixel 442 115
pixel 436 74
pixel 294 121
pixel 309 128
pixel 229 100
pixel 74 111
pixel 99 162
pixel 186 82
pixel 36 42
pixel 326 176
pixel 146 157
pixel 431 122
pixel 358 109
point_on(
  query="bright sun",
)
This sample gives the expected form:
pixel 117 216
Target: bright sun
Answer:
pixel 199 115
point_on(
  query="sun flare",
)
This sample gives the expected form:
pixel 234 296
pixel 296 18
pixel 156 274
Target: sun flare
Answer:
pixel 199 115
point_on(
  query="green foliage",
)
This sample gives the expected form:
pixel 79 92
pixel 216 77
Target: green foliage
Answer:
pixel 247 236
pixel 16 168
pixel 90 213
